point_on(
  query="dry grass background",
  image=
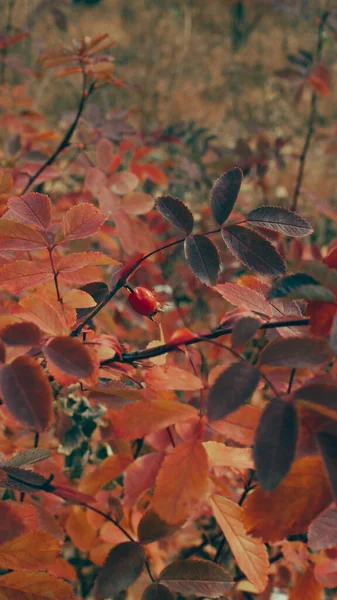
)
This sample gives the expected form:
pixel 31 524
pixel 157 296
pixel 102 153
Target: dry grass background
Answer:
pixel 180 54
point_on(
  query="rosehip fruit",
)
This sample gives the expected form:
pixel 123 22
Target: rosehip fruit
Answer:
pixel 143 301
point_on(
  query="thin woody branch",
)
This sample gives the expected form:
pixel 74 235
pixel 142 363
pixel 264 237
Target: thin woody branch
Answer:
pixel 311 119
pixel 131 357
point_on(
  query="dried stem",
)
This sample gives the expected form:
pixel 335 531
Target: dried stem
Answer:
pixel 65 141
pixel 311 119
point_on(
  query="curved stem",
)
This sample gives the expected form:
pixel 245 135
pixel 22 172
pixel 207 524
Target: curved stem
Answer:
pixel 65 141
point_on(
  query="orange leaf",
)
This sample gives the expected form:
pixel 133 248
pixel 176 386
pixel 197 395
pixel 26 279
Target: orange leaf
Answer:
pixel 16 519
pixel 33 586
pixel 145 417
pixel 296 501
pixel 78 299
pixel 17 236
pixel 26 392
pixel 306 586
pixel 220 455
pixel 172 378
pixel 240 426
pixel 140 476
pixel 45 314
pixel 32 551
pixel 182 482
pixel 109 468
pixel 78 260
pixel 81 221
pixel 250 553
pixel 82 534
pixel 61 568
pixel 22 274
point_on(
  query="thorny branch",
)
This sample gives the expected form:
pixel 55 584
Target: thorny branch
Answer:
pixel 312 116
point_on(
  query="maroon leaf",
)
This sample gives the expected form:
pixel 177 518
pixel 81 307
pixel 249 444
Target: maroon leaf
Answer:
pixel 26 392
pixel 71 356
pixel 253 250
pixel 28 457
pixel 24 481
pixel 203 258
pixel 279 219
pixel 275 443
pixel 157 591
pixel 21 334
pixel 176 212
pixel 224 194
pixel 296 352
pixel 327 444
pixel 197 578
pixel 244 330
pixel 121 568
pixel 321 397
pixel 232 388
pixel 152 528
pixel 322 532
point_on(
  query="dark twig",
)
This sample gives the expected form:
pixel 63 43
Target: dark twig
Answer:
pixel 312 117
pixel 131 357
pixel 121 528
pixel 65 141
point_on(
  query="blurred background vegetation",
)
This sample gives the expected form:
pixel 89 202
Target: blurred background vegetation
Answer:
pixel 205 70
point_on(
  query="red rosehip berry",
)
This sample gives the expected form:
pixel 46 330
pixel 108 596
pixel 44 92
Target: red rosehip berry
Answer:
pixel 143 301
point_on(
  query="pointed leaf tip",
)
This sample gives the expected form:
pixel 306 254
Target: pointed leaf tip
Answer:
pixel 176 212
pixel 224 194
pixel 279 219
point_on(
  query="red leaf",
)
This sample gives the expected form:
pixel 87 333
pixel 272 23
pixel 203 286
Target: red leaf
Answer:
pixel 172 378
pixel 21 334
pixel 182 482
pixel 104 153
pixel 140 476
pixel 31 209
pixel 26 392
